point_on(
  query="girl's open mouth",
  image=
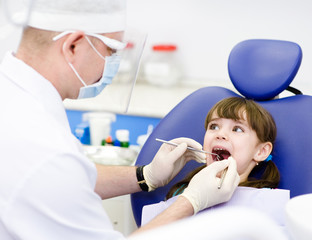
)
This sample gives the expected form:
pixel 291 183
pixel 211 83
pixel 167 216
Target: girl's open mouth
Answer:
pixel 222 153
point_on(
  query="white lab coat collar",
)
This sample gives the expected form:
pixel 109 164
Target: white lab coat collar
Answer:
pixel 36 85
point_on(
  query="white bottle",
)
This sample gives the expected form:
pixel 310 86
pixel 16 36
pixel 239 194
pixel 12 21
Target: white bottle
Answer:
pixel 162 67
pixel 100 126
pixel 122 136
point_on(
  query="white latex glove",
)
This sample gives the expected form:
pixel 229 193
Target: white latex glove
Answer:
pixel 169 160
pixel 203 191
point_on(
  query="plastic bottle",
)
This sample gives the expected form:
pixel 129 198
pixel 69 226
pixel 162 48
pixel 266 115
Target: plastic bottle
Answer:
pixel 162 68
pixel 100 126
pixel 122 135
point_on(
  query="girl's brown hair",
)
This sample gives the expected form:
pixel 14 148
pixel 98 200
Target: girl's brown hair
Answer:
pixel 266 174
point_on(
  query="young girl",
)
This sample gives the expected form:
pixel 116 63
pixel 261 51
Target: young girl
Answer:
pixel 239 128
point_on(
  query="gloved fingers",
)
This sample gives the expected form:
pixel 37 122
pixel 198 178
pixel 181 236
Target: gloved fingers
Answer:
pixel 218 166
pixel 190 142
pixel 203 191
pixel 176 153
pixel 208 175
pixel 165 148
pixel 180 150
pixel 191 155
pixel 231 178
pixel 200 157
pixel 197 156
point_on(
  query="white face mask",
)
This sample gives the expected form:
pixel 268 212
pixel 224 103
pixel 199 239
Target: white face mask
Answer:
pixel 110 70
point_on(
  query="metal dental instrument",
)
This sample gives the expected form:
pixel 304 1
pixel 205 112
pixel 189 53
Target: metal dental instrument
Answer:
pixel 222 178
pixel 189 148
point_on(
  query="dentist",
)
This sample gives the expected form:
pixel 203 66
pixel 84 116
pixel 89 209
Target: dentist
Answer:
pixel 49 189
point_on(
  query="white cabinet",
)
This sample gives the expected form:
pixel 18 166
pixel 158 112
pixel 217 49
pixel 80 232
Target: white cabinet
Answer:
pixel 118 209
pixel 120 213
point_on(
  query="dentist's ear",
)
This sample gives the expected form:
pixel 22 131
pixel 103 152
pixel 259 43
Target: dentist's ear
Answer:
pixel 70 44
pixel 263 152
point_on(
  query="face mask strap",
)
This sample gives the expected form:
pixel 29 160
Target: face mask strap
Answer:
pixel 98 53
pixel 77 74
pixel 72 67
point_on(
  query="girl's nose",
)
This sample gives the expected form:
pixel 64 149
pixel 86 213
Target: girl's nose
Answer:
pixel 221 135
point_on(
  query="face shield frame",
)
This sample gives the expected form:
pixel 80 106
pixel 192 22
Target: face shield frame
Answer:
pixel 110 42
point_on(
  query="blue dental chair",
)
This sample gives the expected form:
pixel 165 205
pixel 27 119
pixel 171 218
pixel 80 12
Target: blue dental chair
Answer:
pixel 259 70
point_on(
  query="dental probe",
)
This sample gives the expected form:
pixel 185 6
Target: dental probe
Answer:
pixel 222 178
pixel 189 148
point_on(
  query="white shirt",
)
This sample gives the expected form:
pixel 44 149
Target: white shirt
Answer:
pixel 271 202
pixel 46 182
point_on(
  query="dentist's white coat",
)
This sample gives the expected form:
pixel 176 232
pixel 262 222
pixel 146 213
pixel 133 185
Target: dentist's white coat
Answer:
pixel 46 183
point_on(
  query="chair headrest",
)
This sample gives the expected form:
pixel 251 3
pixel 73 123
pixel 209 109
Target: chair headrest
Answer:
pixel 261 69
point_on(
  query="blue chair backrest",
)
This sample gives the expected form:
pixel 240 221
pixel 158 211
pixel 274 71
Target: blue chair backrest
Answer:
pixel 260 70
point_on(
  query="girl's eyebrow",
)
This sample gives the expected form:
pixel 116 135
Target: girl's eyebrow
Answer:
pixel 239 121
pixel 243 122
pixel 214 119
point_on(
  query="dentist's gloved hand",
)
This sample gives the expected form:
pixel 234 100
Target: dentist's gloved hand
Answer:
pixel 169 160
pixel 203 191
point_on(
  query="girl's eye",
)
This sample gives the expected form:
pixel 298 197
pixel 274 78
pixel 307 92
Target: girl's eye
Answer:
pixel 238 129
pixel 213 126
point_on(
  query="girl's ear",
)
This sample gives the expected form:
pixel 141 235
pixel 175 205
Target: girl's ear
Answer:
pixel 264 150
pixel 70 45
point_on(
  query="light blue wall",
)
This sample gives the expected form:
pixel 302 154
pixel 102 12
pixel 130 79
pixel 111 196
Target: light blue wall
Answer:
pixel 136 125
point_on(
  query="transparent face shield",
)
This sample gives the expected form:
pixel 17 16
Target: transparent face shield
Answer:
pixel 116 96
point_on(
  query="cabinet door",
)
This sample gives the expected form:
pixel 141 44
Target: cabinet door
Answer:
pixel 120 213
